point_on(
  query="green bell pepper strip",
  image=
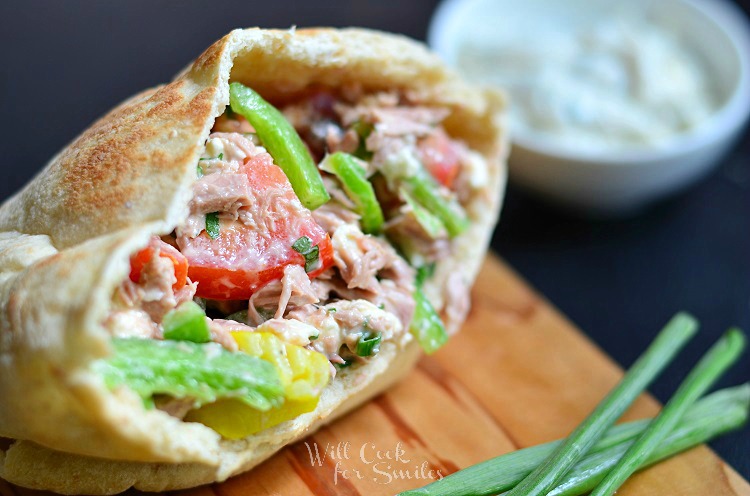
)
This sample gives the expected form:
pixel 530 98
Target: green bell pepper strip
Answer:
pixel 426 325
pixel 186 323
pixel 425 190
pixel 283 143
pixel 205 372
pixel 357 188
pixel 433 226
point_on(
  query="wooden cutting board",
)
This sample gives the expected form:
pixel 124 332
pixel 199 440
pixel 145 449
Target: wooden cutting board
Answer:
pixel 518 374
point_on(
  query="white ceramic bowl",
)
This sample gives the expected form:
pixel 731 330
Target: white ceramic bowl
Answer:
pixel 619 182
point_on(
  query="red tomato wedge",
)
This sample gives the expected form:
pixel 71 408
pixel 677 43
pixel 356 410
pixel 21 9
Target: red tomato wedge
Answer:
pixel 440 156
pixel 250 253
pixel 140 259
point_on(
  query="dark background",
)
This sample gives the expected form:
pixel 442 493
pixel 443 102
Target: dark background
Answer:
pixel 66 63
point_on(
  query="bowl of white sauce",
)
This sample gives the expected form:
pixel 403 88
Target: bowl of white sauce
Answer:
pixel 613 105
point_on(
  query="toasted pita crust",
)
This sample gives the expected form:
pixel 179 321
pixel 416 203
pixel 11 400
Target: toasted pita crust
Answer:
pixel 68 235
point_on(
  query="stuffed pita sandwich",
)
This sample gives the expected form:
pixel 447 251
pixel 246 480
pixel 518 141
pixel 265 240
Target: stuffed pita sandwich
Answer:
pixel 221 265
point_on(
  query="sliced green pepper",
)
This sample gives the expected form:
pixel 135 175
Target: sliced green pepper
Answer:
pixel 433 226
pixel 426 325
pixel 426 192
pixel 357 188
pixel 204 372
pixel 186 323
pixel 283 143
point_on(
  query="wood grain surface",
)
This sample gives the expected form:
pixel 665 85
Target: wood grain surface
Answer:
pixel 518 374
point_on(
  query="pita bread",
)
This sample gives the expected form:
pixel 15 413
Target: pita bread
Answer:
pixel 66 238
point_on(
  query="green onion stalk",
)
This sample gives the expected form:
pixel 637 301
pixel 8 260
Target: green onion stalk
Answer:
pixel 713 364
pixel 658 355
pixel 711 416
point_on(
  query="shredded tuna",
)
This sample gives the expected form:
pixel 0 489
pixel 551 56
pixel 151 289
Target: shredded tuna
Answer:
pixel 236 125
pixel 221 332
pixel 132 323
pixel 342 323
pixel 414 240
pixel 225 193
pixel 294 289
pixel 291 330
pixel 395 296
pixel 473 178
pixel 457 301
pixel 328 341
pixel 359 257
pixel 233 146
pixel 153 293
pixel 333 215
pixel 340 141
pixel 176 407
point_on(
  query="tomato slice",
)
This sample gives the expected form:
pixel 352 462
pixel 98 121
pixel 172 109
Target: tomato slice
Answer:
pixel 441 156
pixel 251 252
pixel 140 259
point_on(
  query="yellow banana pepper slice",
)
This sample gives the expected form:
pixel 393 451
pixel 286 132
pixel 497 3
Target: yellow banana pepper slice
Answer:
pixel 303 373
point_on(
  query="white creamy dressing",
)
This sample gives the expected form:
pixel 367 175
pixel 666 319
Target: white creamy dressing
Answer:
pixel 603 83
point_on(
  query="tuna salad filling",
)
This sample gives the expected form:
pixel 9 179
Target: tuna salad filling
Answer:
pixel 311 228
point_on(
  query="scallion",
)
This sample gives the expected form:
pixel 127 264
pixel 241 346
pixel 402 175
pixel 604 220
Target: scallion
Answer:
pixel 311 253
pixel 368 344
pixel 659 354
pixel 212 225
pixel 713 364
pixel 710 416
pixel 691 432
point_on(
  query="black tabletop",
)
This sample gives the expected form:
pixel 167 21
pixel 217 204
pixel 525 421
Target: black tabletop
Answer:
pixel 66 63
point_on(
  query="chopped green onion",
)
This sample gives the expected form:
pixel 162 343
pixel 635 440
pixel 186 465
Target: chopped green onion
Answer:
pixel 713 364
pixel 347 363
pixel 199 170
pixel 302 245
pixel 311 259
pixel 426 192
pixel 229 113
pixel 213 227
pixel 710 416
pixel 314 337
pixel 220 157
pixel 187 322
pixel 283 143
pixel 357 188
pixel 368 344
pixel 204 372
pixel 666 345
pixel 311 253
